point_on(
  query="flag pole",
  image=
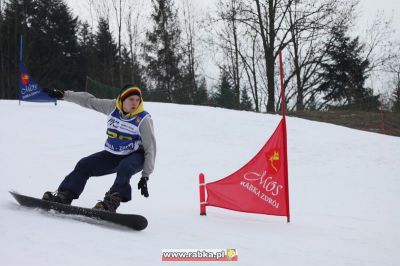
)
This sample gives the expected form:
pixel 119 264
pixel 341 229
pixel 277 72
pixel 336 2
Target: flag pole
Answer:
pixel 19 65
pixel 20 47
pixel 202 189
pixel 283 102
pixel 283 108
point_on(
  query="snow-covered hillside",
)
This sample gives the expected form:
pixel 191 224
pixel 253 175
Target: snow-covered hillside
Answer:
pixel 344 190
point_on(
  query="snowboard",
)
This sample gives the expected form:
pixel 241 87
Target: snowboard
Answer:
pixel 132 221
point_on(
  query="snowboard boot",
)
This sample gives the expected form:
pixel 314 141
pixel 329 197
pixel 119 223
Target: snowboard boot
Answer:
pixel 110 203
pixel 62 196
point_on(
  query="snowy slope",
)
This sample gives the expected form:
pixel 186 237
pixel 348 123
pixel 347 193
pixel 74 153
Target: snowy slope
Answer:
pixel 344 190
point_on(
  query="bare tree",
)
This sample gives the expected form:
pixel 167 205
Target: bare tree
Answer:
pixel 378 40
pixel 310 22
pixel 132 21
pixel 270 15
pixel 119 6
pixel 232 17
pixel 392 67
pixel 251 57
pixel 189 36
pixel 228 17
pixel 225 42
pixel 264 27
pixel 383 53
pixel 266 19
pixel 101 8
pixel 102 11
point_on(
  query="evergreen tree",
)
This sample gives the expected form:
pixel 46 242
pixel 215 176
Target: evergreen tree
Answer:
pixel 162 52
pixel 53 56
pixel 85 37
pixel 396 97
pixel 105 54
pixel 50 49
pixel 200 93
pixel 245 101
pixel 86 41
pixel 16 17
pixel 130 66
pixel 225 95
pixel 126 67
pixel 138 75
pixel 183 92
pixel 191 89
pixel 2 55
pixel 344 76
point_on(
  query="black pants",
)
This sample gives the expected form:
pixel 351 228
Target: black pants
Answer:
pixel 104 163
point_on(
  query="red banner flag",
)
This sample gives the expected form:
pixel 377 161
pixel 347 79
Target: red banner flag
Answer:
pixel 261 186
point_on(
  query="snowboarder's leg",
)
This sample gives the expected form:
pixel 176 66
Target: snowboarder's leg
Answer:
pixel 129 166
pixel 98 164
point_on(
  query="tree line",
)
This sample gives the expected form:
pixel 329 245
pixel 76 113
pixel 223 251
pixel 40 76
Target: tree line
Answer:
pixel 325 65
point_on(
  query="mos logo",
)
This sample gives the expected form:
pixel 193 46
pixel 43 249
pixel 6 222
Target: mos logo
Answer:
pixel 273 161
pixel 24 79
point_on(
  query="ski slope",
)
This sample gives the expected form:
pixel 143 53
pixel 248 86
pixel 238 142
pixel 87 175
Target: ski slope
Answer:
pixel 344 190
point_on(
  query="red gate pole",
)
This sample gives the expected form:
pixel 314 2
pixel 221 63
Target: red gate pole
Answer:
pixel 283 105
pixel 202 189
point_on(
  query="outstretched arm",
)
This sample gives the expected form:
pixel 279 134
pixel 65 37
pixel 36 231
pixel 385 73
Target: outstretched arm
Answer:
pixel 84 99
pixel 87 100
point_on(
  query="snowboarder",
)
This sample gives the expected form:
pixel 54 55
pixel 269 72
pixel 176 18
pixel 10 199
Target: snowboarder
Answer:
pixel 129 148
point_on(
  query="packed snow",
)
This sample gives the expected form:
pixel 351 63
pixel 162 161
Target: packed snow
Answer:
pixel 344 189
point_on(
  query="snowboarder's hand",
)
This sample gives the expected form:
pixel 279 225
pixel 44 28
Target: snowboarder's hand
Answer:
pixel 54 93
pixel 142 185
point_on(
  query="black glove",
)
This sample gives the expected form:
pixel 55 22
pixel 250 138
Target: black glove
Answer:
pixel 142 185
pixel 54 93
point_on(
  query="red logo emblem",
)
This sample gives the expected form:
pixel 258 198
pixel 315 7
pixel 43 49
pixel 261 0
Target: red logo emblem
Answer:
pixel 273 161
pixel 24 79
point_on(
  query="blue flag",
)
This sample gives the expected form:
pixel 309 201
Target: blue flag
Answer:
pixel 29 90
